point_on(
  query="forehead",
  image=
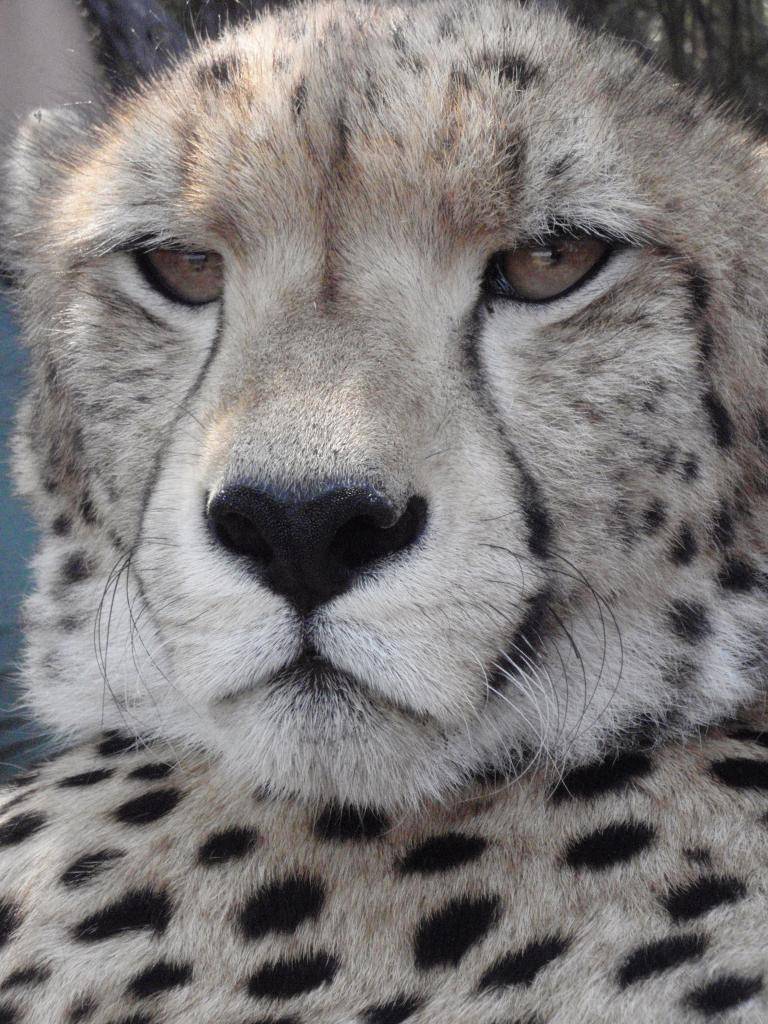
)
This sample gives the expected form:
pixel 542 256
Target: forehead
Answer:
pixel 486 121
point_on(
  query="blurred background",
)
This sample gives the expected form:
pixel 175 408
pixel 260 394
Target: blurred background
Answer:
pixel 55 52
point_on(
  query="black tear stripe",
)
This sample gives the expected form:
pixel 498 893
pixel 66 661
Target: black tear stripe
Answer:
pixel 719 418
pixel 535 513
pixel 523 650
pixel 159 460
pixel 656 957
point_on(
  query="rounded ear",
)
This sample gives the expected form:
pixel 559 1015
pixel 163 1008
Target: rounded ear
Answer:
pixel 42 151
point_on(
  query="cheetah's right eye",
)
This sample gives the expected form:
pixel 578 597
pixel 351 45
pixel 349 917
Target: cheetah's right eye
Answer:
pixel 192 278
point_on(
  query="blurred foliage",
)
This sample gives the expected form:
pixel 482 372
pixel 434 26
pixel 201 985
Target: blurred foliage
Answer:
pixel 721 44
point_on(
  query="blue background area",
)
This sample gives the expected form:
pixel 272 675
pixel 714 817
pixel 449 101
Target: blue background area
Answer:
pixel 19 741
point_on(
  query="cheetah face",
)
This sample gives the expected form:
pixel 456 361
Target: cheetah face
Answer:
pixel 397 402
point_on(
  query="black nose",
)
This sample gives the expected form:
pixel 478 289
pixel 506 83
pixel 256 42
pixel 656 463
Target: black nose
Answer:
pixel 311 547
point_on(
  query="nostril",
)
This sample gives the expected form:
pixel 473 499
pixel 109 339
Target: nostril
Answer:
pixel 363 540
pixel 240 536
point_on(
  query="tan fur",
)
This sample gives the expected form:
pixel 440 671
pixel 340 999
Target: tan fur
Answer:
pixel 594 563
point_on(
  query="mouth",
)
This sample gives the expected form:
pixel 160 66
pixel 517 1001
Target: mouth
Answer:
pixel 314 682
pixel 308 676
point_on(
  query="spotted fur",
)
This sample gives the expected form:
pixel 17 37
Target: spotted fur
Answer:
pixel 588 593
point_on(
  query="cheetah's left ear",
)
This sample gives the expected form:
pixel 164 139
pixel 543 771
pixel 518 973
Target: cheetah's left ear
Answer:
pixel 42 152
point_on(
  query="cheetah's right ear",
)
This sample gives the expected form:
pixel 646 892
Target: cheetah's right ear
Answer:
pixel 43 151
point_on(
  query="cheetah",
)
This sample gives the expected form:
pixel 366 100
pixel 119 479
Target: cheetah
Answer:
pixel 397 429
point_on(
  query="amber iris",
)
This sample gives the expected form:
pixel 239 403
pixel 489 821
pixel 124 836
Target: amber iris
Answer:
pixel 192 278
pixel 543 271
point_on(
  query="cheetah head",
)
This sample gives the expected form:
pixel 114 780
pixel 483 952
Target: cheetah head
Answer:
pixel 398 402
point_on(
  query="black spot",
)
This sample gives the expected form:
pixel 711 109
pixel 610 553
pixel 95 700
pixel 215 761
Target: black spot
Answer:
pixel 690 468
pixel 26 976
pixel 350 823
pixel 442 853
pixel 116 743
pixel 81 1011
pixel 221 71
pixel 666 459
pixel 723 526
pixel 724 992
pixel 738 575
pixel 447 934
pixel 135 1018
pixel 654 516
pixel 283 979
pixel 139 909
pixel 564 163
pixel 750 736
pixel 87 867
pixel 230 844
pixel 656 957
pixel 61 525
pixel 86 778
pixel 612 844
pixel 151 772
pixel 10 919
pixel 276 1020
pixel 75 568
pixel 393 1012
pixel 610 775
pixel 684 546
pixel 159 978
pixel 741 772
pixel 720 418
pixel 299 98
pixel 282 906
pixel 9 1014
pixel 700 290
pixel 702 895
pixel 690 621
pixel 148 807
pixel 521 967
pixel 516 70
pixel 697 855
pixel 87 509
pixel 22 826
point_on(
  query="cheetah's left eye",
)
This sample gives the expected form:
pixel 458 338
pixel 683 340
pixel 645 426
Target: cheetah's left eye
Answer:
pixel 546 270
pixel 192 278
